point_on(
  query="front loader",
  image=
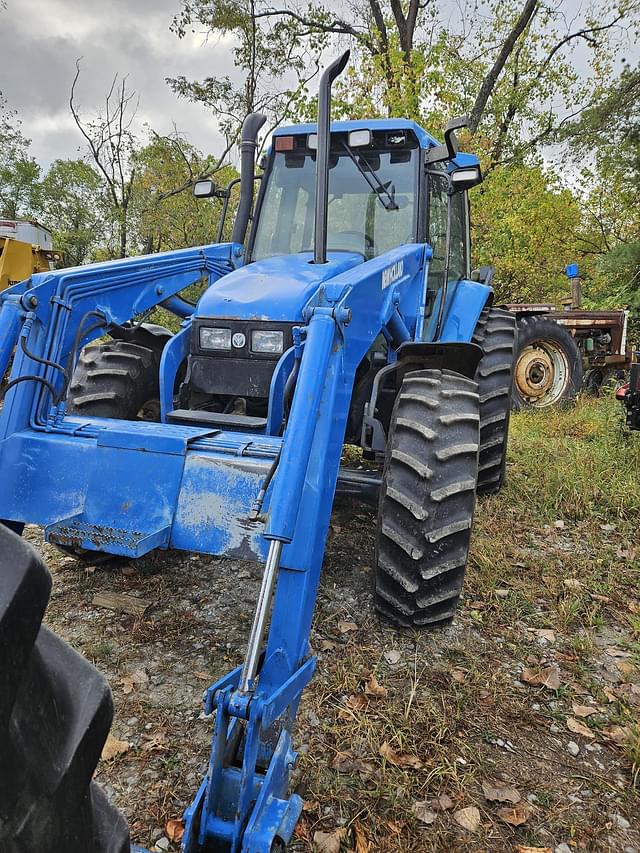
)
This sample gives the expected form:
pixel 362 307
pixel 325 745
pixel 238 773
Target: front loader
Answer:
pixel 346 313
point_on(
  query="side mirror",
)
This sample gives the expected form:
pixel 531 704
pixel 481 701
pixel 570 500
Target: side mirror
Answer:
pixel 465 178
pixel 448 151
pixel 204 189
pixel 484 275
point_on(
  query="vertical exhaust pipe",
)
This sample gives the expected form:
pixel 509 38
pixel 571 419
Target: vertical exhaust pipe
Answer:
pixel 322 157
pixel 248 145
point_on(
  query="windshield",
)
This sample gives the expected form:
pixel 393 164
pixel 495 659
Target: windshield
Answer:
pixel 372 200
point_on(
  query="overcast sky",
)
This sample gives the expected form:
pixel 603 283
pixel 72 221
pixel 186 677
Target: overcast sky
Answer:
pixel 40 41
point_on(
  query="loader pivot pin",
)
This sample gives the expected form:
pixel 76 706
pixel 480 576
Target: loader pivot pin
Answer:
pixel 254 647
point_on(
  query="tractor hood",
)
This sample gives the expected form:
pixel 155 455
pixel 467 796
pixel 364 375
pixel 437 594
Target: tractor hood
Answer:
pixel 275 288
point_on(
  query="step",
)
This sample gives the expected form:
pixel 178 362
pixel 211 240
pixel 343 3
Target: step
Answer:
pixel 223 420
pixel 78 532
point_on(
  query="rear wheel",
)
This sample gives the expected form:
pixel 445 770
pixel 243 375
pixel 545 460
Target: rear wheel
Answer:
pixel 55 714
pixel 117 380
pixel 548 368
pixel 427 498
pixel 496 333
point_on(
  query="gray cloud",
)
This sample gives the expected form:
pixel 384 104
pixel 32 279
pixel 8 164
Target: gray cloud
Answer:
pixel 40 41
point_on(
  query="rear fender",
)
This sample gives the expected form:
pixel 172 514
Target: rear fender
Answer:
pixel 464 303
pixel 461 357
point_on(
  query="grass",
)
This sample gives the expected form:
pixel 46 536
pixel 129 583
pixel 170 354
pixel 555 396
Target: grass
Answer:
pixel 554 550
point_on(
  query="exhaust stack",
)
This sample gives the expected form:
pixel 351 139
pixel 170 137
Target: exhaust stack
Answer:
pixel 322 157
pixel 248 145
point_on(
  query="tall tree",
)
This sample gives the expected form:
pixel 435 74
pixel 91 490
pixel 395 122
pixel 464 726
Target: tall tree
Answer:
pixel 72 206
pixel 19 172
pixel 166 214
pixel 275 65
pixel 111 145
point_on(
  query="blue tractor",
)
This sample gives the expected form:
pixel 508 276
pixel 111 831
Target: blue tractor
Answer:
pixel 348 314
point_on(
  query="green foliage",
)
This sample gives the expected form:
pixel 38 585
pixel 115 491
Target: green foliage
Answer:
pixel 165 213
pixel 524 223
pixel 71 203
pixel 266 46
pixel 19 172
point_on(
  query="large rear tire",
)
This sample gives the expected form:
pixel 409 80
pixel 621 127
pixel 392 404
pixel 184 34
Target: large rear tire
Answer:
pixel 55 714
pixel 427 498
pixel 496 333
pixel 117 380
pixel 548 369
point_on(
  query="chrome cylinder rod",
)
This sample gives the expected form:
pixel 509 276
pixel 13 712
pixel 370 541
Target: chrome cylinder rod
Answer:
pixel 263 608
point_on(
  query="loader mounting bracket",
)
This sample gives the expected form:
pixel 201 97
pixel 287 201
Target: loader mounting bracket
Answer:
pixel 461 357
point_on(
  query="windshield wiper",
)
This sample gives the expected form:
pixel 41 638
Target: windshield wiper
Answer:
pixel 374 181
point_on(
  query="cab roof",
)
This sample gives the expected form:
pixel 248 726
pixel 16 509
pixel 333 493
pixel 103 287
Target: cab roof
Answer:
pixel 425 140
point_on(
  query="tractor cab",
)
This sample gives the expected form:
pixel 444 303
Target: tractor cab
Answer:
pixel 373 191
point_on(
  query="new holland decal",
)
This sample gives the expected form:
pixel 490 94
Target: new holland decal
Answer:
pixel 392 273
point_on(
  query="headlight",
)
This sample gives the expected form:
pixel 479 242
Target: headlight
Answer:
pixel 215 338
pixel 267 341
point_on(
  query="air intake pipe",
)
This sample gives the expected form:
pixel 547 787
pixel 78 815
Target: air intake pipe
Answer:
pixel 322 157
pixel 248 145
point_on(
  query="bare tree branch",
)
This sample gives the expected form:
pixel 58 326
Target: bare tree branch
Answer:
pixel 491 78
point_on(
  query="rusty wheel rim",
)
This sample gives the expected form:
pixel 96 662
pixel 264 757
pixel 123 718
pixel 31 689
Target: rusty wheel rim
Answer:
pixel 542 373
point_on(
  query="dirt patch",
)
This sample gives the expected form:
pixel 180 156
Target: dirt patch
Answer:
pixel 407 741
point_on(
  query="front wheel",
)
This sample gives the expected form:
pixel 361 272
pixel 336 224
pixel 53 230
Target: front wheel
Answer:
pixel 117 380
pixel 427 498
pixel 548 368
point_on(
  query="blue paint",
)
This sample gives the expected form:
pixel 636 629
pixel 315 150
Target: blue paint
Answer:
pixel 128 487
pixel 572 270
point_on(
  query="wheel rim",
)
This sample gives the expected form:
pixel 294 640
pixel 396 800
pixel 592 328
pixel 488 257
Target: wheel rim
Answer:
pixel 542 373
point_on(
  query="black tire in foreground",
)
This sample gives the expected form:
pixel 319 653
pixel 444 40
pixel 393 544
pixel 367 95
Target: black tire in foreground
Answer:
pixel 496 333
pixel 117 380
pixel 55 714
pixel 548 369
pixel 427 498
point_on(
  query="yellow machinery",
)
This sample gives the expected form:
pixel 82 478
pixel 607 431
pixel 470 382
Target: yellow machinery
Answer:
pixel 25 247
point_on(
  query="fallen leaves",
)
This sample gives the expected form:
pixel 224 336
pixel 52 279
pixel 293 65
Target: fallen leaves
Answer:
pixel 545 634
pixel 357 702
pixel 617 734
pixel 468 818
pixel 583 710
pixel 616 652
pixel 373 688
pixel 422 810
pixel 402 759
pixel 174 830
pixel 114 747
pixel 329 842
pixel 522 848
pixel 547 677
pixel 155 742
pixel 517 815
pixel 500 791
pixel 579 728
pixel 626 668
pixel 360 838
pixel 347 762
pixel 133 679
pixel 345 627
